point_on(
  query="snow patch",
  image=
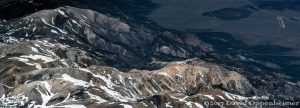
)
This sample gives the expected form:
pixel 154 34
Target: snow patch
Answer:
pixel 126 106
pixel 98 98
pixel 76 81
pixel 37 45
pixel 76 23
pixel 54 31
pixel 180 99
pixel 84 16
pixel 9 39
pixel 13 102
pixel 60 30
pixel 63 61
pixel 114 94
pixel 38 57
pixel 189 104
pixel 221 97
pixel 198 105
pixel 34 49
pixel 25 60
pixel 86 70
pixel 210 97
pixel 34 28
pixel 2 56
pixel 48 94
pixel 238 97
pixel 71 106
pixel 168 105
pixel 165 74
pixel 62 13
pixel 107 81
pixel 19 59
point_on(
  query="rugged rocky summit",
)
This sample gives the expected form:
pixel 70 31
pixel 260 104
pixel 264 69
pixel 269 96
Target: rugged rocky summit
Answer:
pixel 78 57
pixel 50 74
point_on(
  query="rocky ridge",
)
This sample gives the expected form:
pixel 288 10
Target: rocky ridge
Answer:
pixel 49 74
pixel 75 57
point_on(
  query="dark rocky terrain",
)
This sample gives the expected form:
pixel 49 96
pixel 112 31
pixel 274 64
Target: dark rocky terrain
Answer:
pixel 107 53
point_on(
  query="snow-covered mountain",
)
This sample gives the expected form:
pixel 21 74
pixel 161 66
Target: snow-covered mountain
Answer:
pixel 82 55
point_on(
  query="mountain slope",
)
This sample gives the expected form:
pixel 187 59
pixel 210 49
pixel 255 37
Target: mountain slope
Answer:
pixel 79 57
pixel 59 80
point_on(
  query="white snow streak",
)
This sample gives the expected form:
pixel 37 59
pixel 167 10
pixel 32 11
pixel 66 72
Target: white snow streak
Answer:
pixel 126 105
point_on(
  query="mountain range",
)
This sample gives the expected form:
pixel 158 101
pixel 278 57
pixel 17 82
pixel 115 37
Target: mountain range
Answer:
pixel 110 54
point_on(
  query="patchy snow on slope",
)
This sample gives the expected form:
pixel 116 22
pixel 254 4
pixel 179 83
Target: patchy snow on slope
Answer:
pixel 2 56
pixel 98 98
pixel 47 95
pixel 38 66
pixel 238 97
pixel 9 39
pixel 114 94
pixel 221 97
pixel 86 70
pixel 75 22
pixel 38 57
pixel 164 74
pixel 121 79
pixel 69 106
pixel 107 81
pixel 76 81
pixel 64 62
pixel 210 97
pixel 179 75
pixel 60 30
pixel 13 102
pixel 34 49
pixel 180 99
pixel 34 29
pixel 37 45
pixel 19 59
pixel 54 31
pixel 198 105
pixel 26 61
pixel 61 12
pixel 126 106
pixel 189 104
pixel 168 105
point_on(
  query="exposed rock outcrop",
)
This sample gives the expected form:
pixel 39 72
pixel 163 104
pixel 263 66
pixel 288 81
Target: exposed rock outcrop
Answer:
pixel 73 57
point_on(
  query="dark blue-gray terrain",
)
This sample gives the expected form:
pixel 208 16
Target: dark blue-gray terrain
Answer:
pixel 149 53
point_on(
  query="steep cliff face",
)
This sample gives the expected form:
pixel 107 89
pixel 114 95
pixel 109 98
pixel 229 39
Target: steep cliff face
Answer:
pixel 73 57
